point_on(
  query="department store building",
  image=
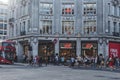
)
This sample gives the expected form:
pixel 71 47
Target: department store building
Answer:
pixel 66 27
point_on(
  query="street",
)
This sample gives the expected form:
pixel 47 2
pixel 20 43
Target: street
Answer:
pixel 50 72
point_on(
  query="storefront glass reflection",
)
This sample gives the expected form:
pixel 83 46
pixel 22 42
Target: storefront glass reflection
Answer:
pixel 89 49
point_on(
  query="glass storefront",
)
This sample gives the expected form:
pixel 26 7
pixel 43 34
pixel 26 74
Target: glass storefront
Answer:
pixel 89 48
pixel 45 48
pixel 67 49
pixel 25 47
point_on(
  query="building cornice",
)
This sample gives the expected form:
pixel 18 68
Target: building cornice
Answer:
pixel 64 36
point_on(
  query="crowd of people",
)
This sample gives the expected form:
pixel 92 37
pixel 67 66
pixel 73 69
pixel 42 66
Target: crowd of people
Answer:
pixel 39 60
pixel 97 61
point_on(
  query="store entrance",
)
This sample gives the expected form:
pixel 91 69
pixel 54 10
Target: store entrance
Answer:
pixel 67 49
pixel 45 48
pixel 25 45
pixel 89 49
pixel 67 53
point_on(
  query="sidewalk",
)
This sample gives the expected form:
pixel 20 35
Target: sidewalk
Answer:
pixel 100 69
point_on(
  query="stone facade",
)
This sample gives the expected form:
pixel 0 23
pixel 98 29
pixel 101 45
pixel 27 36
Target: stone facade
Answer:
pixel 66 27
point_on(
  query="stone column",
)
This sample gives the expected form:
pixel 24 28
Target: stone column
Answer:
pixel 34 47
pixel 19 51
pixel 57 46
pixel 107 50
pixel 78 47
pixel 106 47
pixel 100 48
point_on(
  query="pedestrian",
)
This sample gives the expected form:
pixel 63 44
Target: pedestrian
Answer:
pixel 31 60
pixel 102 63
pixel 24 58
pixel 15 58
pixel 46 60
pixel 116 61
pixel 72 61
pixel 62 60
pixel 111 62
pixel 79 60
pixel 94 61
pixel 35 61
pixel 56 59
pixel 52 57
pixel 40 61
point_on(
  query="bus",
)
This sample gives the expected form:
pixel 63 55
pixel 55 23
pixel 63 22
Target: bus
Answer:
pixel 7 51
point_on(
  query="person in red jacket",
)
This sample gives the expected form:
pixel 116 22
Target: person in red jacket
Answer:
pixel 111 62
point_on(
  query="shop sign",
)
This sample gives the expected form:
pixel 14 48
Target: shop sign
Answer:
pixel 66 45
pixel 55 41
pixel 89 46
pixel 114 49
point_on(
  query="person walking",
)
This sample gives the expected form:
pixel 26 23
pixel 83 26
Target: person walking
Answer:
pixel 40 61
pixel 24 58
pixel 62 60
pixel 116 61
pixel 35 61
pixel 72 61
pixel 56 59
pixel 46 60
pixel 111 62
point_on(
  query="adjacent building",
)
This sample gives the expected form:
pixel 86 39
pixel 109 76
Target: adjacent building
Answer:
pixel 66 27
pixel 3 20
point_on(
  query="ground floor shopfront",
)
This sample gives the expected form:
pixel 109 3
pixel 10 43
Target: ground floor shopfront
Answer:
pixel 44 46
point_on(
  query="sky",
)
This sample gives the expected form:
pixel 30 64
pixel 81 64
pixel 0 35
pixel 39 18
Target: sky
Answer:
pixel 4 1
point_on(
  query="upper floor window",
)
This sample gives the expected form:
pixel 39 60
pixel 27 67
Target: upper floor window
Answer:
pixel 109 8
pixel 68 9
pixel 29 27
pixel 20 27
pixel 67 27
pixel 119 11
pixel 3 11
pixel 46 27
pixel 1 18
pixel 1 26
pixel 89 9
pixel 5 26
pixel 5 32
pixel 1 32
pixel 115 10
pixel 89 27
pixel 119 27
pixel 16 29
pixel 24 26
pixel 115 26
pixel 109 26
pixel 46 8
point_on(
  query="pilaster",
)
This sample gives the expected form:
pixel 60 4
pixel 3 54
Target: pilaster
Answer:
pixel 19 51
pixel 34 45
pixel 57 47
pixel 78 48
